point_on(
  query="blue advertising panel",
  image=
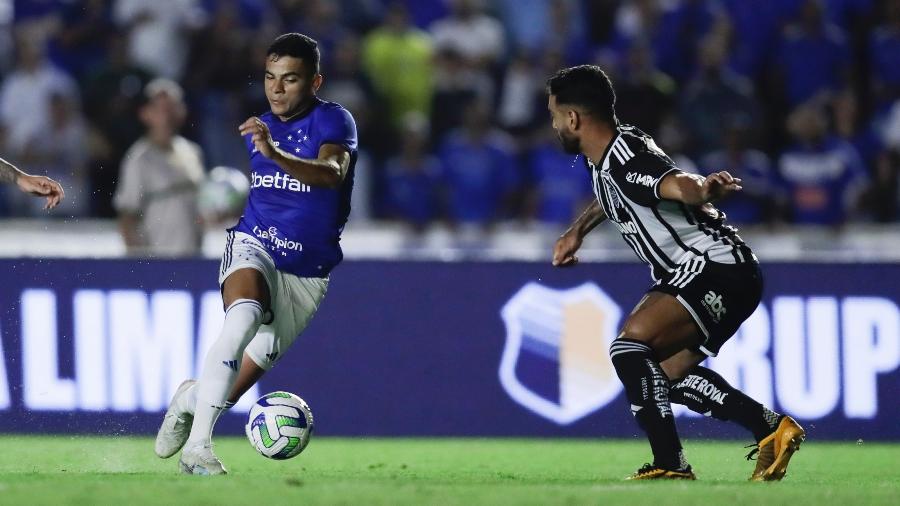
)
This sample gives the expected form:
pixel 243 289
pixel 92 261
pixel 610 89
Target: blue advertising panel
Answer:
pixel 424 349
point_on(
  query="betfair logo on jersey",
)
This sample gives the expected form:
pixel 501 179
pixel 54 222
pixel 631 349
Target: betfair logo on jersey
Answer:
pixel 555 362
pixel 279 182
pixel 713 304
pixel 641 179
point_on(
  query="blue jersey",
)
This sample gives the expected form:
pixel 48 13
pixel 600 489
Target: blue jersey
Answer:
pixel 300 225
pixel 822 180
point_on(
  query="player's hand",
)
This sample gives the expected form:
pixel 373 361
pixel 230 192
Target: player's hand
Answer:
pixel 42 186
pixel 565 248
pixel 719 184
pixel 260 136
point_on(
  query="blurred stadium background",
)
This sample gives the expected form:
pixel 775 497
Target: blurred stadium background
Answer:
pixel 445 318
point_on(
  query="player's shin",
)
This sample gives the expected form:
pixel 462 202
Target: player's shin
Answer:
pixel 249 374
pixel 706 392
pixel 220 368
pixel 647 389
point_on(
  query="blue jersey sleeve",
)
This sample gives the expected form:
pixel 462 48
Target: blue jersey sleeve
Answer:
pixel 338 127
pixel 248 144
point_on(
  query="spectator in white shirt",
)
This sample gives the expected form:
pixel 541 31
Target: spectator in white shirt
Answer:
pixel 156 195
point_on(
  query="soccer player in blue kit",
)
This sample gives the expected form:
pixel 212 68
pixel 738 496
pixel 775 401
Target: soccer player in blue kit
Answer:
pixel 277 259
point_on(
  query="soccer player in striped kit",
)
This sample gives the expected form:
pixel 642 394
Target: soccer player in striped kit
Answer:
pixel 707 281
pixel 277 259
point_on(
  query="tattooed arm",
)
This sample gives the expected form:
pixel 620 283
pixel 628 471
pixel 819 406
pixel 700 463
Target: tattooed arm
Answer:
pixel 8 172
pixel 568 243
pixel 35 185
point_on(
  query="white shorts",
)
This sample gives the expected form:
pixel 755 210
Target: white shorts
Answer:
pixel 294 300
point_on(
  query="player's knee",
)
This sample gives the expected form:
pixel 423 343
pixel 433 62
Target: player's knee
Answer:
pixel 673 369
pixel 675 372
pixel 246 284
pixel 637 330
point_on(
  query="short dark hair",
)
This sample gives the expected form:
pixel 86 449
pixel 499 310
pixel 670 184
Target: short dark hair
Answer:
pixel 586 86
pixel 299 46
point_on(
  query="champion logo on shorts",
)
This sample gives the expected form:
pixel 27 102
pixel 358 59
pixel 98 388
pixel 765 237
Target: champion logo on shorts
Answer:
pixel 714 305
pixel 272 236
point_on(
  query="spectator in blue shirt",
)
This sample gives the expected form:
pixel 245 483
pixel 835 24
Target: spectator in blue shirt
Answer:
pixel 821 175
pixel 674 29
pixel 755 204
pixel 813 57
pixel 559 190
pixel 79 46
pixel 478 169
pixel 755 28
pixel 535 25
pixel 713 96
pixel 412 178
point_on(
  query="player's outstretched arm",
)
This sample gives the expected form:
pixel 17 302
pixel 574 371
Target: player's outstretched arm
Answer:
pixel 698 190
pixel 567 245
pixel 328 170
pixel 35 185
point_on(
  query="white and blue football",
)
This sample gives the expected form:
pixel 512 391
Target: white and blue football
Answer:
pixel 279 425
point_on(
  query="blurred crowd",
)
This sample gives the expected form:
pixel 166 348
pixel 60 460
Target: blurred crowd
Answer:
pixel 800 98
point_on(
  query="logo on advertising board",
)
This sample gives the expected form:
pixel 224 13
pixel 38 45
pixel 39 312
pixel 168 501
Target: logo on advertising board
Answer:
pixel 556 360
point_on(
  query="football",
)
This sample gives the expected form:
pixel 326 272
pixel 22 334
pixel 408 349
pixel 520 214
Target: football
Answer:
pixel 279 425
pixel 222 195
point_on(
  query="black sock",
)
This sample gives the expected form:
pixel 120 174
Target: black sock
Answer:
pixel 705 392
pixel 647 389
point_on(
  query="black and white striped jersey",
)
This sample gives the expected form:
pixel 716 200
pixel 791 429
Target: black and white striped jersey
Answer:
pixel 663 233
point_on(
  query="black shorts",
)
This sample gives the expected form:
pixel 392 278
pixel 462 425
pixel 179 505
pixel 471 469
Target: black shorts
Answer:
pixel 718 296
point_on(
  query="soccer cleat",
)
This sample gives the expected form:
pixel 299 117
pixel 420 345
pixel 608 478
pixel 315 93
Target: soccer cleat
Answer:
pixel 200 460
pixel 652 472
pixel 776 449
pixel 176 427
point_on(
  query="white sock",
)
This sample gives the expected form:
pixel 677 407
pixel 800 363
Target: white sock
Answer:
pixel 186 403
pixel 220 368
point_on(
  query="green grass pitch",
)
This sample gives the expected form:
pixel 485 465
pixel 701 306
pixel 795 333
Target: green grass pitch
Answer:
pixel 64 470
